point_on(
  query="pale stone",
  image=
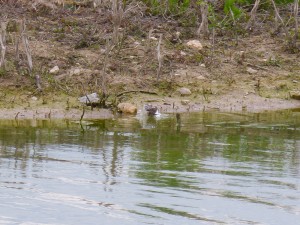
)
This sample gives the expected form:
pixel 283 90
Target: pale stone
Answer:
pixel 200 77
pixel 34 98
pixel 177 34
pixel 91 98
pixel 127 108
pixel 76 71
pixel 54 70
pixel 202 65
pixel 184 91
pixel 153 38
pixel 195 44
pixel 251 71
pixel 182 53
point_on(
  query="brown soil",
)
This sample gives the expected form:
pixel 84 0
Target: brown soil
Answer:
pixel 75 41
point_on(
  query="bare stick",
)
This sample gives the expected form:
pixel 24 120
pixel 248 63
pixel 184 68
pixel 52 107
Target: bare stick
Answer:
pixel 203 28
pixel 3 44
pixel 277 16
pixel 148 44
pixel 17 60
pixel 82 115
pixel 296 10
pixel 17 115
pixel 108 49
pixel 117 17
pixel 38 82
pixel 159 57
pixel 253 14
pixel 26 46
pixel 234 24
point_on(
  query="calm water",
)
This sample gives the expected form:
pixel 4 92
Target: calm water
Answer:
pixel 207 168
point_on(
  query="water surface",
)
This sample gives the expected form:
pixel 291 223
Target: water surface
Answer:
pixel 206 168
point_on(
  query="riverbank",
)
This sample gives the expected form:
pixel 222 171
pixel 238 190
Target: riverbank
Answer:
pixel 73 55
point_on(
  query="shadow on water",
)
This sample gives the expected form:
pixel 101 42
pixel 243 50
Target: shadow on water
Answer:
pixel 157 169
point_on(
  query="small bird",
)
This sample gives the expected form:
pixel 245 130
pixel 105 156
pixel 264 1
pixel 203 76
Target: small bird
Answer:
pixel 151 110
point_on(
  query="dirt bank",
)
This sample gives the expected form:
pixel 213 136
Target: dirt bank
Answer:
pixel 253 71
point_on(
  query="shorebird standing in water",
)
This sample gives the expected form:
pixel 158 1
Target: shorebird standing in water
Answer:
pixel 151 110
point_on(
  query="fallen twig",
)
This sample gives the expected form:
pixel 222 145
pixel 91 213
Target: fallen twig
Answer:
pixel 134 91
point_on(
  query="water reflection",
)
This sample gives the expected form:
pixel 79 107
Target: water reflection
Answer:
pixel 202 168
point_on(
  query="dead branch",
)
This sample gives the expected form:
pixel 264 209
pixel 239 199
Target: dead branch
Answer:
pixel 159 57
pixel 135 91
pixel 26 45
pixel 3 44
pixel 148 44
pixel 117 17
pixel 203 28
pixel 82 115
pixel 17 115
pixel 278 17
pixel 17 59
pixel 296 11
pixel 109 48
pixel 38 83
pixel 253 14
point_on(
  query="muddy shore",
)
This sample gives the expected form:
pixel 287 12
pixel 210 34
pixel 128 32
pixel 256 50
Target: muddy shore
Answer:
pixel 236 101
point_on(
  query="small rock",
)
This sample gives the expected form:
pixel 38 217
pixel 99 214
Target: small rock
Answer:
pixel 295 95
pixel 251 71
pixel 182 53
pixel 201 77
pixel 295 81
pixel 127 108
pixel 76 71
pixel 184 91
pixel 91 98
pixel 185 102
pixel 153 38
pixel 54 70
pixel 202 65
pixel 34 98
pixel 195 44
